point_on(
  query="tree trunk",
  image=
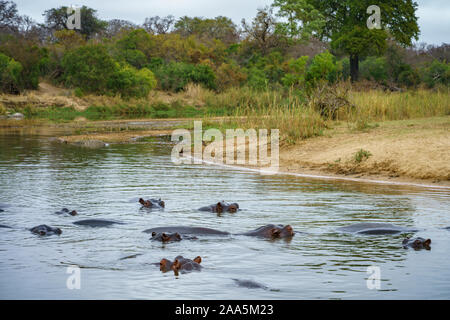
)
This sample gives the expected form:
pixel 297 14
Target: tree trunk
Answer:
pixel 354 68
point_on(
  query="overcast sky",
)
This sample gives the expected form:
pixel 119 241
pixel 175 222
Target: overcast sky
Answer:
pixel 434 15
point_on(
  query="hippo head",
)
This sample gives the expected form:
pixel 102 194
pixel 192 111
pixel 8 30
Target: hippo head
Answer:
pixel 232 208
pixel 44 230
pixel 73 213
pixel 180 261
pixel 161 203
pixel 165 265
pixel 417 243
pixel 166 237
pixel 145 203
pixel 276 232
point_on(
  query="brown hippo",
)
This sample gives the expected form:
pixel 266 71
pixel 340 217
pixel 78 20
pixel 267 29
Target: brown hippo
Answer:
pixel 270 231
pixel 65 211
pixel 220 207
pixel 180 264
pixel 152 203
pixel 187 230
pixel 416 243
pixel 168 237
pixel 45 230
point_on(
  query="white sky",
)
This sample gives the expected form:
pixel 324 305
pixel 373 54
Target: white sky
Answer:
pixel 434 15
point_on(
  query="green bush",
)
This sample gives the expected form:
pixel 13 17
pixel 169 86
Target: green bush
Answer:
pixel 89 68
pixel 9 74
pixel 374 68
pixel 323 67
pixel 296 71
pixel 176 75
pixel 409 77
pixel 257 79
pixel 130 82
pixel 437 73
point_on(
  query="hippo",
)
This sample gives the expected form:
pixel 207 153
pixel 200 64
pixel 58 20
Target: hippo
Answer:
pixel 169 237
pixel 65 211
pixel 271 231
pixel 268 231
pixel 165 237
pixel 152 203
pixel 3 226
pixel 180 264
pixel 374 228
pixel 96 223
pixel 249 284
pixel 131 256
pixel 187 230
pixel 45 230
pixel 220 207
pixel 416 243
pixel 1 210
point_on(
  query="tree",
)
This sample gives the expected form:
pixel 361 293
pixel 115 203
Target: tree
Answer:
pixel 345 24
pixel 157 25
pixel 9 18
pixel 56 19
pixel 262 30
pixel 117 26
pixel 220 28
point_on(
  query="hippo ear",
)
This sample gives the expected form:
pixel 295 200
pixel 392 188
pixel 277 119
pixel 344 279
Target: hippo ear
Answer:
pixel 427 242
pixel 153 233
pixel 177 235
pixel 198 259
pixel 162 204
pixel 165 236
pixel 176 265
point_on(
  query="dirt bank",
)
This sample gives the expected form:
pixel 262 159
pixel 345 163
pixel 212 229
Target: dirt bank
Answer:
pixel 409 151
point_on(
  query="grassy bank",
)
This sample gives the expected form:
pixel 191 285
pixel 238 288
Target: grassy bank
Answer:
pixel 298 115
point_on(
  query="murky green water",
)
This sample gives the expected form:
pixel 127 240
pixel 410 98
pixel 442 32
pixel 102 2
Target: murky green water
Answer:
pixel 38 177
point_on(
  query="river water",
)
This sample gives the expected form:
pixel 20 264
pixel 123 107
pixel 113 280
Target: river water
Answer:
pixel 39 176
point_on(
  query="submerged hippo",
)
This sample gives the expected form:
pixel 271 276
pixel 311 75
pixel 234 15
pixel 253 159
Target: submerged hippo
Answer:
pixel 220 207
pixel 249 284
pixel 152 203
pixel 180 264
pixel 268 231
pixel 271 231
pixel 96 223
pixel 65 211
pixel 168 237
pixel 45 230
pixel 3 226
pixel 1 210
pixel 187 230
pixel 374 228
pixel 417 243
